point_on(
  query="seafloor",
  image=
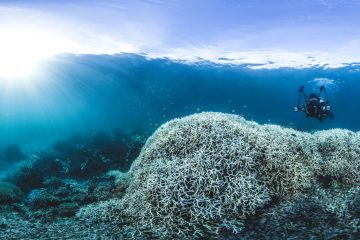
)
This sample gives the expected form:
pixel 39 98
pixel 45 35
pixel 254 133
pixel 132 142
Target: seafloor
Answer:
pixel 206 176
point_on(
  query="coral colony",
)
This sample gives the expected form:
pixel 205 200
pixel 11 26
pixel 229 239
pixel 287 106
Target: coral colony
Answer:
pixel 206 174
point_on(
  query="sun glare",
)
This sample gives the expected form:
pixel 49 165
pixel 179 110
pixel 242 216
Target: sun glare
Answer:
pixel 22 49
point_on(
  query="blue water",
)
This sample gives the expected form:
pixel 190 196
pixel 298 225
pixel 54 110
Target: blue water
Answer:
pixel 89 93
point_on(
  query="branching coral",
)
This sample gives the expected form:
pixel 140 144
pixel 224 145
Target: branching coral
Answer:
pixel 340 151
pixel 200 175
pixel 286 159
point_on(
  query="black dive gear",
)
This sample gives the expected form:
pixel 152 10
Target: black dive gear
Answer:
pixel 315 105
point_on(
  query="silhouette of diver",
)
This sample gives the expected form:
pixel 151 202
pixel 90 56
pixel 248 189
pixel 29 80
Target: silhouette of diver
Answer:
pixel 315 105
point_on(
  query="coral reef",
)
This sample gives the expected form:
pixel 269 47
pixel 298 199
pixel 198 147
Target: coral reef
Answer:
pixel 61 197
pixel 340 154
pixel 208 175
pixel 200 174
pixel 22 224
pixel 286 158
pixel 79 158
pixel 9 193
pixel 205 174
pixel 309 216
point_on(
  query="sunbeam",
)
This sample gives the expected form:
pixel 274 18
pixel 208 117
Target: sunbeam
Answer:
pixel 22 49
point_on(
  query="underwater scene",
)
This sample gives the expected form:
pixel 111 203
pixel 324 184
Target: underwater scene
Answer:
pixel 173 120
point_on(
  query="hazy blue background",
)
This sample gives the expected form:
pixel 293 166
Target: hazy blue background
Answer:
pixel 87 93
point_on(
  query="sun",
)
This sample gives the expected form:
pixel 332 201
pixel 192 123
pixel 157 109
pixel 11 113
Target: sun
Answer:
pixel 21 50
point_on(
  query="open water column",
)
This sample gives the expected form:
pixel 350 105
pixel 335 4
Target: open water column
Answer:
pixel 153 119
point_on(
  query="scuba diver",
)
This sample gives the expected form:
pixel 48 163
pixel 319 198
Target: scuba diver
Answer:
pixel 315 105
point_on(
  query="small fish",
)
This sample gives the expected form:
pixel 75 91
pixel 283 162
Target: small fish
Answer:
pixel 141 137
pixel 164 115
pixel 197 109
pixel 193 140
pixel 245 106
pixel 156 124
pixel 233 110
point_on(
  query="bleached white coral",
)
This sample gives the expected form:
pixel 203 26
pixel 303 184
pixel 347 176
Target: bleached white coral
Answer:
pixel 104 211
pixel 286 160
pixel 205 173
pixel 340 152
pixel 214 169
pixel 119 177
